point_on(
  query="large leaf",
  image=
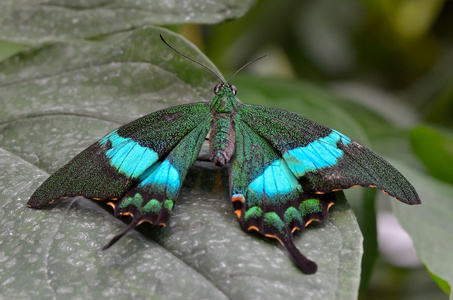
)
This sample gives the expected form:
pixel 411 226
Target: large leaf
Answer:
pixel 431 224
pixel 60 99
pixel 435 150
pixel 32 21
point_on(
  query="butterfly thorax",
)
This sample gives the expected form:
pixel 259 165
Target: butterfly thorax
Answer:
pixel 225 101
pixel 224 111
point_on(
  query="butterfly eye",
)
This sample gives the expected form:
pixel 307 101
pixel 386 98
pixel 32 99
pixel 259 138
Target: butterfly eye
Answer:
pixel 217 88
pixel 233 89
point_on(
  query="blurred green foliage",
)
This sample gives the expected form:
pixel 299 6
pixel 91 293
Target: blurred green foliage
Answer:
pixel 399 46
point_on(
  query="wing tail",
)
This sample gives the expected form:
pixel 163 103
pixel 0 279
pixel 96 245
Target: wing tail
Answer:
pixel 119 236
pixel 307 266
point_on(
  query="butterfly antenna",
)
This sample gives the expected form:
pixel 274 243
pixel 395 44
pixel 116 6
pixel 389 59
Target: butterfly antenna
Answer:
pixel 191 59
pixel 245 66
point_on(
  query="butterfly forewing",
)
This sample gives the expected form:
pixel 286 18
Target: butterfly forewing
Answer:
pixel 323 159
pixel 111 166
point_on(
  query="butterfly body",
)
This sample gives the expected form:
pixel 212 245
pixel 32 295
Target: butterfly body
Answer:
pixel 284 168
pixel 224 108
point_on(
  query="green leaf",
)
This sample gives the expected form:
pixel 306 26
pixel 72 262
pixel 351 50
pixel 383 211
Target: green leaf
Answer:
pixel 37 22
pixel 412 19
pixel 435 150
pixel 430 225
pixel 58 100
pixel 442 283
pixel 9 49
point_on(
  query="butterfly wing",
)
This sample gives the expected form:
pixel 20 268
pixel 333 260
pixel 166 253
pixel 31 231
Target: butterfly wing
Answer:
pixel 138 168
pixel 322 159
pixel 286 168
pixel 267 196
pixel 152 198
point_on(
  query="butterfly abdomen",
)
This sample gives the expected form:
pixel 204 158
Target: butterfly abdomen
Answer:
pixel 222 140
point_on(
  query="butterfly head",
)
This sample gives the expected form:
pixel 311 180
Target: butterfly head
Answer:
pixel 228 86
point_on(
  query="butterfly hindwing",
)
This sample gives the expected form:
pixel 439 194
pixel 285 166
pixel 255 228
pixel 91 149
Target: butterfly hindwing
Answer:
pixel 322 159
pixel 152 198
pixel 268 198
pixel 113 165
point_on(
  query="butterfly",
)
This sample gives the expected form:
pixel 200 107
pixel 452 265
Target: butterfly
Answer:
pixel 284 169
